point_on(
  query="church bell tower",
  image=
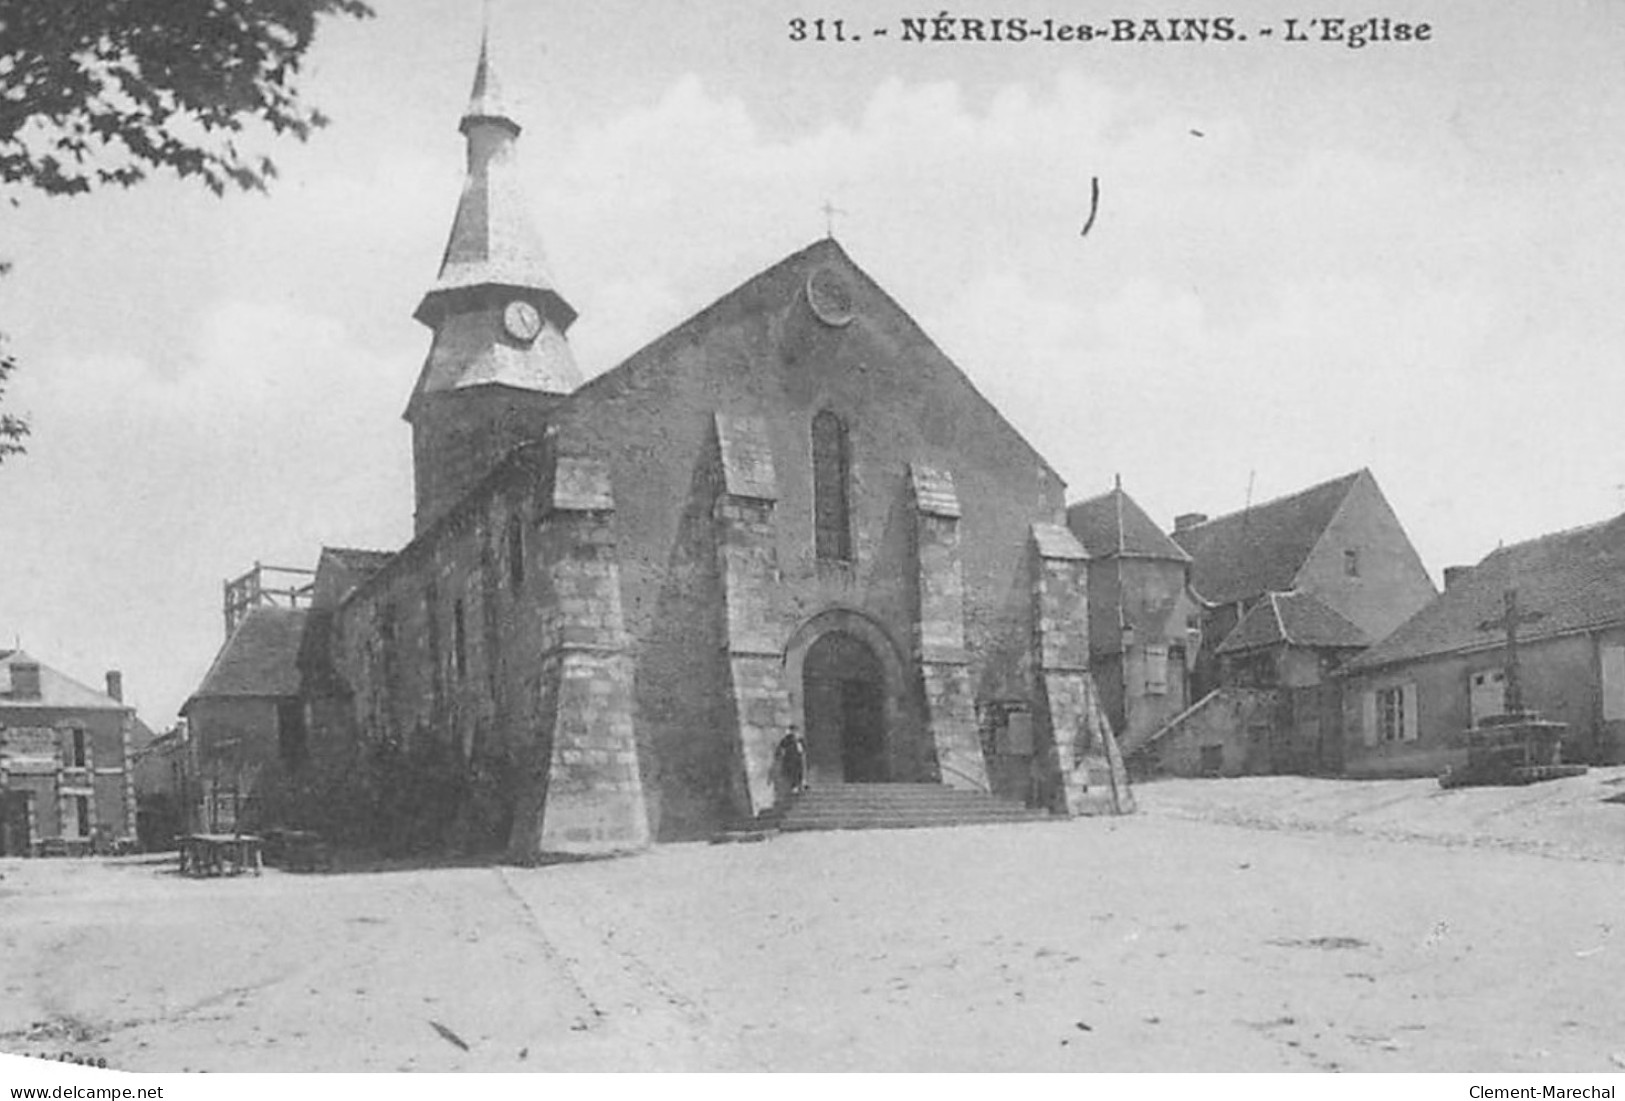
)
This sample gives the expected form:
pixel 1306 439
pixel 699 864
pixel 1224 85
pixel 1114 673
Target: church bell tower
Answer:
pixel 499 361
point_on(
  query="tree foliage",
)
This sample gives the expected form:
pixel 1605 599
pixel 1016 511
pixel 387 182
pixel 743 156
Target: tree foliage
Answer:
pixel 12 429
pixel 96 92
pixel 102 91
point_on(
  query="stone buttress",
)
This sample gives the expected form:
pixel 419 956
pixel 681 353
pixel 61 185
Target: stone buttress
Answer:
pixel 939 631
pixel 747 561
pixel 585 791
pixel 1082 768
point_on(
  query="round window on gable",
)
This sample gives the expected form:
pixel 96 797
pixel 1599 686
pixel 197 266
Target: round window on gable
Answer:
pixel 830 296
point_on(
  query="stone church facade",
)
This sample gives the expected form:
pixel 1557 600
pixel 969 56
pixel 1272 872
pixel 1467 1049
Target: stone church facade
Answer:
pixel 791 513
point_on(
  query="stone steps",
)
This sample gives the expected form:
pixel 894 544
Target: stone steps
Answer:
pixel 898 806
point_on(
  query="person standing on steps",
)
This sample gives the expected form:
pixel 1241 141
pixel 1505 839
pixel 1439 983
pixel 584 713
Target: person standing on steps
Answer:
pixel 790 763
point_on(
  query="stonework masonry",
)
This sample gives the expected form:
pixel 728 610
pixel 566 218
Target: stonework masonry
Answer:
pixel 791 512
pixel 939 632
pixel 1084 772
pixel 754 626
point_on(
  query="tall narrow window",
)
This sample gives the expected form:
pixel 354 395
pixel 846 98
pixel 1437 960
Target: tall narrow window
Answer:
pixel 832 520
pixel 516 554
pixel 1351 563
pixel 76 749
pixel 431 607
pixel 290 732
pixel 386 644
pixel 459 639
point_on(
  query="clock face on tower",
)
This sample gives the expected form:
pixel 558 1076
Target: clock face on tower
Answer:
pixel 522 320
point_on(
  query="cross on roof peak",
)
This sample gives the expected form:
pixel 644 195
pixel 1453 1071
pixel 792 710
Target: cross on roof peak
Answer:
pixel 830 211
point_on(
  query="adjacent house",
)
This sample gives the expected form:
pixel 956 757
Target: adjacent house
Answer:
pixel 247 714
pixel 1143 621
pixel 1408 699
pixel 164 787
pixel 65 784
pixel 1290 590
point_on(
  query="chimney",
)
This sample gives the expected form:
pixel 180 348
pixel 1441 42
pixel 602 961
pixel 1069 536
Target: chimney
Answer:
pixel 115 685
pixel 1454 575
pixel 1188 520
pixel 24 681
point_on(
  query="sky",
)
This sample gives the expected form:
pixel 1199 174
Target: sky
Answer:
pixel 1306 259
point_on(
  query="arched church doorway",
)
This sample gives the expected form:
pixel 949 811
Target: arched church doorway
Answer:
pixel 843 697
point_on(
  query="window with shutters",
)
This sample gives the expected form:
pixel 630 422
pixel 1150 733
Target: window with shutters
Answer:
pixel 1486 694
pixel 1396 713
pixel 1613 683
pixel 1156 670
pixel 832 520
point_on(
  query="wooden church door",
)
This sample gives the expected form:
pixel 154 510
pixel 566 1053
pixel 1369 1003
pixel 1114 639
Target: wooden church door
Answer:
pixel 843 696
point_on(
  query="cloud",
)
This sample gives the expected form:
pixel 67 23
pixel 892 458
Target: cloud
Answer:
pixel 1237 313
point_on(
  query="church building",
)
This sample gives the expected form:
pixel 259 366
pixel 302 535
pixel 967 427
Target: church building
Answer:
pixel 789 515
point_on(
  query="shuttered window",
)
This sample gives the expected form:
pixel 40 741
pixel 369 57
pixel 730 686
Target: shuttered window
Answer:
pixel 1613 683
pixel 1156 670
pixel 1395 713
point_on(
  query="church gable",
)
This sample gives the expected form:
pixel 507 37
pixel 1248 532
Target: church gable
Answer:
pixel 813 329
pixel 850 395
pixel 796 459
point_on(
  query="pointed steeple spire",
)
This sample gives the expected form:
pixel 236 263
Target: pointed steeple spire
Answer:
pixel 498 319
pixel 493 242
pixel 485 104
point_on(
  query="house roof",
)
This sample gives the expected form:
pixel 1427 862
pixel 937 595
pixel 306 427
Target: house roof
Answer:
pixel 1262 548
pixel 1573 580
pixel 1295 619
pixel 1114 525
pixel 57 690
pixel 260 659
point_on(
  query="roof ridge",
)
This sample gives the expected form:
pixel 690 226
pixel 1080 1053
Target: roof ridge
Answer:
pixel 1561 533
pixel 1273 501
